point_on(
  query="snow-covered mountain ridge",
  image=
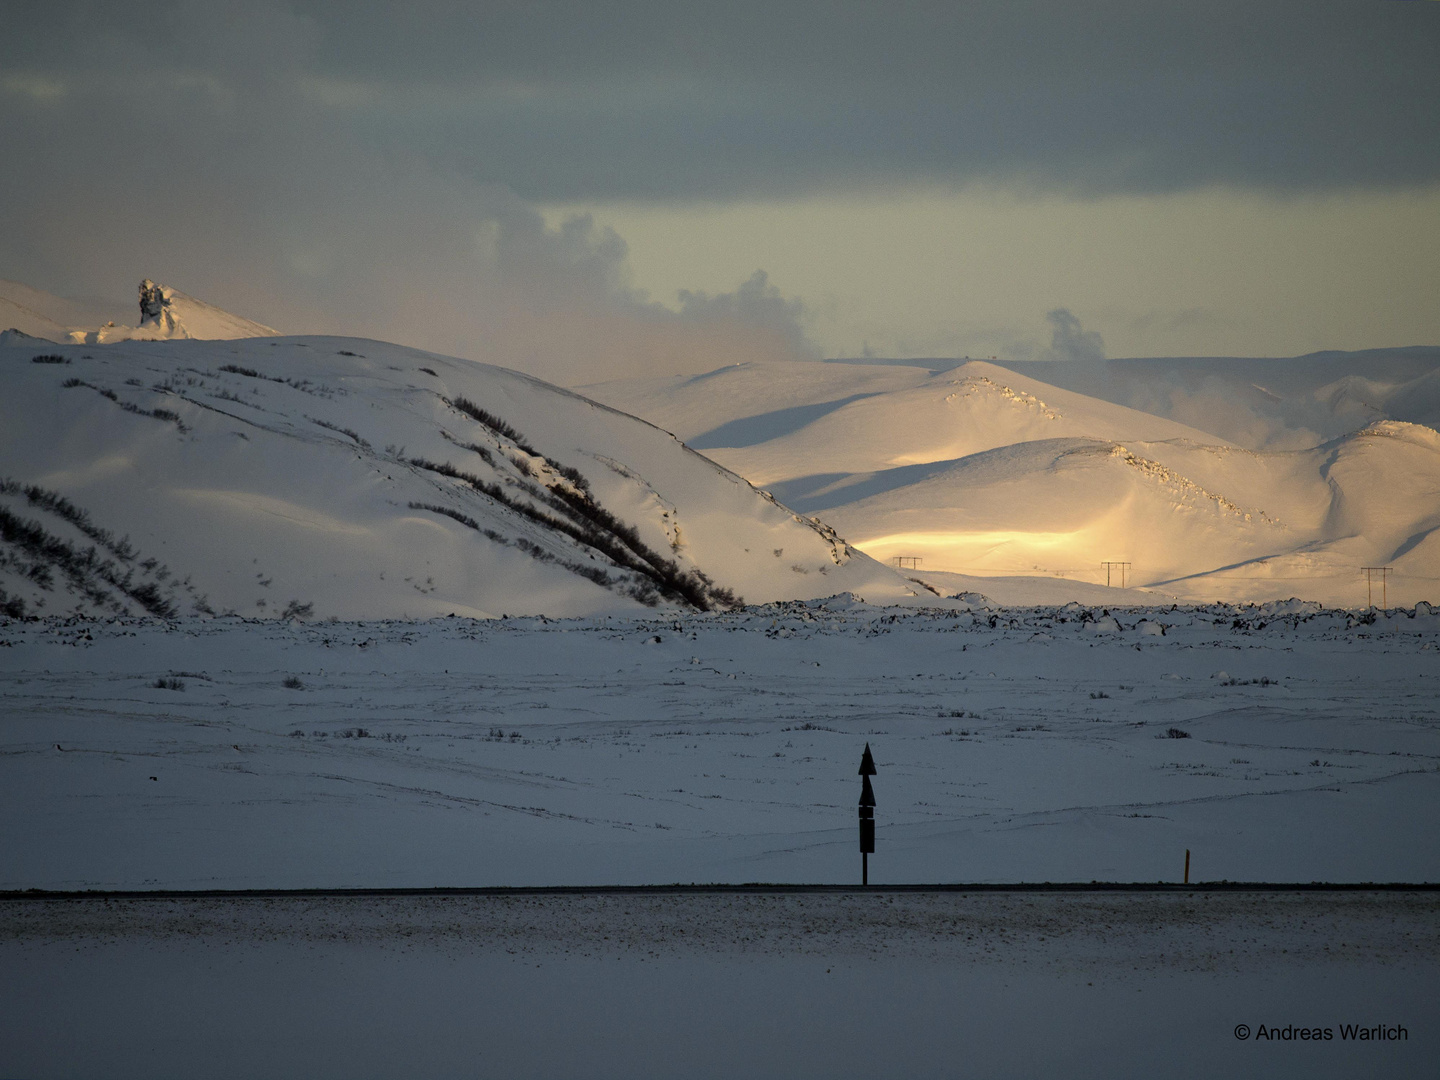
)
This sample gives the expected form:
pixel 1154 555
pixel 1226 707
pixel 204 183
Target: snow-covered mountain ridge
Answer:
pixel 980 469
pixel 1203 479
pixel 165 314
pixel 1265 403
pixel 340 477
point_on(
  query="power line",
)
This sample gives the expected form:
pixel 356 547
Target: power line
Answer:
pixel 1121 566
pixel 1384 572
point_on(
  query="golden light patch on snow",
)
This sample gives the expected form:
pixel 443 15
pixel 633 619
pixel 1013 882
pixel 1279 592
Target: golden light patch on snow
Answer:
pixel 436 527
pixel 993 550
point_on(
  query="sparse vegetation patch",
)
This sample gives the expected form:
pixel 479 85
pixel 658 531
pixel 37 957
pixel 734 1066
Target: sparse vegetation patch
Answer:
pixel 129 406
pixel 106 573
pixel 476 448
pixel 303 385
pixel 493 422
pixel 249 373
pixel 594 526
pixel 342 430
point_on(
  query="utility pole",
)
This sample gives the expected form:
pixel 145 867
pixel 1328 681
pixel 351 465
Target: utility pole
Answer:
pixel 867 815
pixel 1384 572
pixel 913 560
pixel 1121 566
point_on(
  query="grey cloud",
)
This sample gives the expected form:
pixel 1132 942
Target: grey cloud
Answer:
pixel 1183 319
pixel 756 303
pixel 375 168
pixel 1069 341
pixel 243 193
pixel 571 100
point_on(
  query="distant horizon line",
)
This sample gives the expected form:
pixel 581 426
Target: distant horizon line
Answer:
pixel 929 361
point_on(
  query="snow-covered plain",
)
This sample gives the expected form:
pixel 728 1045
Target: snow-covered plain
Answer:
pixel 365 739
pixel 720 985
pixel 722 748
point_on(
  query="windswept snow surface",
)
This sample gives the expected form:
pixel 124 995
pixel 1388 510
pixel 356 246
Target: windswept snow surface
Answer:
pixel 983 470
pixel 339 477
pixel 1072 744
pixel 874 985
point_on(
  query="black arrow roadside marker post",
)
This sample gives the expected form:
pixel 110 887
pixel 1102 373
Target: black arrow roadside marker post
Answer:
pixel 867 815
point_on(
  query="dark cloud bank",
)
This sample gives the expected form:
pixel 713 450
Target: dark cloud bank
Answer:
pixel 375 168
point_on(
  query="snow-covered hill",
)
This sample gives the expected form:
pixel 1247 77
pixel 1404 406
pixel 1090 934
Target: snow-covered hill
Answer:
pixel 165 314
pixel 981 470
pixel 1224 479
pixel 339 477
pixel 44 315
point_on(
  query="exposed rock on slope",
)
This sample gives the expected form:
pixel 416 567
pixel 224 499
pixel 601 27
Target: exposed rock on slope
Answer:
pixel 167 314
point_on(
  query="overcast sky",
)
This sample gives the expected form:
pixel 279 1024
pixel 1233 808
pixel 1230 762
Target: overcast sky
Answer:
pixel 588 190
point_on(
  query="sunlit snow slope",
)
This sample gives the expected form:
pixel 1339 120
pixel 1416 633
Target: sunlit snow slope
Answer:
pixel 981 470
pixel 332 476
pixel 164 314
pixel 43 315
